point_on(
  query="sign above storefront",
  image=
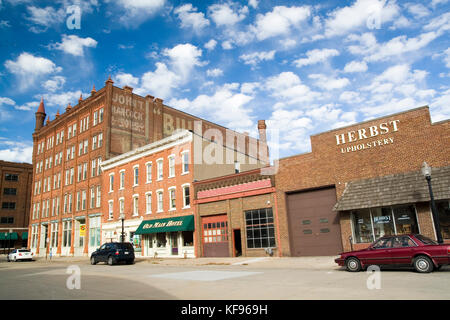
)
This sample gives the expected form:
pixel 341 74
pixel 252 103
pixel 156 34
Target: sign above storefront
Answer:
pixel 184 223
pixel 367 133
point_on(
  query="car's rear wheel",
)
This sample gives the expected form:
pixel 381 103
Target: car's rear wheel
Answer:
pixel 353 264
pixel 93 262
pixel 423 264
pixel 110 261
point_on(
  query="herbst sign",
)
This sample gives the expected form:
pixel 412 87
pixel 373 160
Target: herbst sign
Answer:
pixel 367 133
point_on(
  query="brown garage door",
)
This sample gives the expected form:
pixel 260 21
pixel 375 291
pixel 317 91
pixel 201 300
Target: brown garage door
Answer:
pixel 215 236
pixel 314 229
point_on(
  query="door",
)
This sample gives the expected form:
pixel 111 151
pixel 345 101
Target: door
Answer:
pixel 215 236
pixel 314 228
pixel 237 242
pixel 101 256
pixel 174 242
pixel 378 254
pixel 402 250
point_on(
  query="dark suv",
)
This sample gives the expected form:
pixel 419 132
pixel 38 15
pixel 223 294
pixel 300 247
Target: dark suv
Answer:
pixel 113 252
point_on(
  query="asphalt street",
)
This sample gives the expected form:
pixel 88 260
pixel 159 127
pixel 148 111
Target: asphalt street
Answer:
pixel 282 279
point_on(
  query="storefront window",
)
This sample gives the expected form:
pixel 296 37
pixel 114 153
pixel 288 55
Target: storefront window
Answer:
pixel 188 238
pixel 260 228
pixel 383 224
pixel 161 240
pixel 371 224
pixel 362 226
pixel 443 208
pixel 136 240
pixel 405 219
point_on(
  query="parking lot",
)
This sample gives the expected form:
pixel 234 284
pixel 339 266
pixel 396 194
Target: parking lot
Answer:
pixel 218 278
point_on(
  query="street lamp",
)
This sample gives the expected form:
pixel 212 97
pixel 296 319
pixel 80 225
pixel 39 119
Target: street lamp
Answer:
pixel 122 235
pixel 426 171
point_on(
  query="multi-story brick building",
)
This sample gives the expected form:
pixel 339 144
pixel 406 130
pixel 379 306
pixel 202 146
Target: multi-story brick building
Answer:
pixel 15 195
pixel 364 181
pixel 150 192
pixel 66 202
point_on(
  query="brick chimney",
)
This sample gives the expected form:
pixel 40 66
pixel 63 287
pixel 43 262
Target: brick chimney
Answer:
pixel 262 131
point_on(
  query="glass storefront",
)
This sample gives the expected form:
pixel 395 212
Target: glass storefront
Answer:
pixel 371 224
pixel 443 208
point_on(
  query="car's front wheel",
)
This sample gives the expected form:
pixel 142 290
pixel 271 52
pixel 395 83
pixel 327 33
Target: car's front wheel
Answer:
pixel 423 264
pixel 353 265
pixel 110 261
pixel 93 262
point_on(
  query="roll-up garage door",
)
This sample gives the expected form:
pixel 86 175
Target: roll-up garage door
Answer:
pixel 314 228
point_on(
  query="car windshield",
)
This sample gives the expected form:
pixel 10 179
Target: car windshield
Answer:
pixel 425 240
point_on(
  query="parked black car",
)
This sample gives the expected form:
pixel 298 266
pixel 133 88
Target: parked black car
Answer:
pixel 114 252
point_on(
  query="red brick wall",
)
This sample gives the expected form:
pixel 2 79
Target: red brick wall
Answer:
pixel 417 140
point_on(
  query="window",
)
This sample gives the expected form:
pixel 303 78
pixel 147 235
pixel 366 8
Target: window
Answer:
pixel 371 224
pixel 443 209
pixel 161 240
pixel 149 172
pixel 110 210
pixel 99 196
pixel 94 232
pixel 54 235
pixel 172 198
pixel 11 177
pixel 186 196
pixel 185 162
pixel 159 198
pixel 83 200
pixel 121 205
pixel 260 228
pixel 67 233
pixel 148 203
pixel 93 167
pixel 78 205
pixel 9 205
pixel 171 166
pixel 159 167
pixel 121 179
pixel 85 146
pixel 94 142
pixel 10 191
pixel 100 140
pixel 111 182
pixel 135 175
pixel 7 220
pixel 216 231
pixel 100 115
pixel 135 205
pixel 402 242
pixel 95 118
pixel 188 238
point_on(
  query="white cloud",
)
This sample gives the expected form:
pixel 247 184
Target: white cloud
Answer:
pixel 418 10
pixel 214 72
pixel 211 44
pixel 183 58
pixel 55 83
pixel 61 100
pixel 355 66
pixel 256 57
pixel 316 56
pixel 329 83
pixel 288 43
pixel 160 82
pixel 74 45
pixel 288 87
pixel 15 153
pixel 447 57
pixel 253 3
pixel 8 101
pixel 125 79
pixel 350 97
pixel 135 12
pixel 29 68
pixel 280 21
pixel 362 14
pixel 190 18
pixel 227 45
pixel 43 18
pixel 439 24
pixel 227 14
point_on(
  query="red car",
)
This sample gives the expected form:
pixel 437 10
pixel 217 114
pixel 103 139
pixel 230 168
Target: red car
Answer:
pixel 414 250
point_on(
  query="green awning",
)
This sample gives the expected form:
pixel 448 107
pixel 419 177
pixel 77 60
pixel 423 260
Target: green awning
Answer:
pixel 9 236
pixel 25 235
pixel 185 223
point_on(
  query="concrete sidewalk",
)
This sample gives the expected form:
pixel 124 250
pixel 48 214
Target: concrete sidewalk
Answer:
pixel 318 263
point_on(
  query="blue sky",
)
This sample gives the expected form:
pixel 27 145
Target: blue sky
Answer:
pixel 303 66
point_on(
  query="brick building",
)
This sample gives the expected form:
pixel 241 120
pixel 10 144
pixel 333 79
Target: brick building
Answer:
pixel 66 201
pixel 363 181
pixel 15 195
pixel 150 191
pixel 237 215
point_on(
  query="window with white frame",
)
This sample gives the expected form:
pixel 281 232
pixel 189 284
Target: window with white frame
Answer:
pixel 135 175
pixel 54 235
pixel 172 198
pixel 148 166
pixel 148 202
pixel 121 179
pixel 186 196
pixel 121 205
pixel 83 199
pixel 99 196
pixel 159 168
pixel 111 182
pixel 110 209
pixel 171 166
pixel 159 198
pixel 135 205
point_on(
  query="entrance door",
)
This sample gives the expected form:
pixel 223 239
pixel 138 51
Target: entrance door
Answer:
pixel 174 241
pixel 215 236
pixel 237 242
pixel 314 228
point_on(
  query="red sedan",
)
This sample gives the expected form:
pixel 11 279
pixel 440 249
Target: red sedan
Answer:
pixel 414 250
